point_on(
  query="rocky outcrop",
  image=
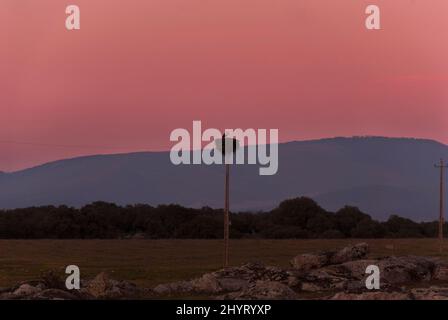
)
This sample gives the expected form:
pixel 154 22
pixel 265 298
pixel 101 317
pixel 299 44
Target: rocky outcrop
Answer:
pixel 51 287
pixel 334 274
pixel 393 270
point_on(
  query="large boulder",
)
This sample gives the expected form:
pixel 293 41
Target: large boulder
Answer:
pixel 351 275
pixel 406 269
pixel 307 262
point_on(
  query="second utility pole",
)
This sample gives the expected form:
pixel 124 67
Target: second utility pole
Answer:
pixel 442 167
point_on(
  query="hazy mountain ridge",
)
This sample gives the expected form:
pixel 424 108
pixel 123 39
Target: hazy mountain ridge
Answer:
pixel 381 175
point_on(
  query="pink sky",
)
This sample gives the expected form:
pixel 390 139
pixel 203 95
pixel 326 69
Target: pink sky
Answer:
pixel 139 69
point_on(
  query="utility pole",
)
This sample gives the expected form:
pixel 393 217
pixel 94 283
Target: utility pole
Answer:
pixel 442 167
pixel 227 147
pixel 226 217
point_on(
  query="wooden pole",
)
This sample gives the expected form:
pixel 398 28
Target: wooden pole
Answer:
pixel 441 217
pixel 442 167
pixel 226 218
pixel 227 146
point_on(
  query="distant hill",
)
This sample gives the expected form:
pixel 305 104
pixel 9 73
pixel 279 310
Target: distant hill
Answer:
pixel 381 176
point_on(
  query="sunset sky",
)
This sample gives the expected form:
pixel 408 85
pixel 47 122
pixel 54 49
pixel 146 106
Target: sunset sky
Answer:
pixel 139 69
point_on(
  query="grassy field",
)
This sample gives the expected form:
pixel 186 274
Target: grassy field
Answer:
pixel 150 262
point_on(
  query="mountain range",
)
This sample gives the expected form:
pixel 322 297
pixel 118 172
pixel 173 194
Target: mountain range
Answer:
pixel 381 176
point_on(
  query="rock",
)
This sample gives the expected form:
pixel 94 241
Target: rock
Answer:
pixel 54 294
pixel 395 270
pixel 207 283
pixel 350 276
pixel 174 287
pixel 441 272
pixel 26 290
pixel 350 253
pixel 311 287
pixel 357 269
pixel 162 289
pixel 264 290
pixel 99 285
pixel 432 293
pixel 376 295
pixel 232 284
pixel 293 281
pixel 406 269
pixel 41 286
pixel 323 279
pixel 122 290
pixel 307 262
pixel 358 286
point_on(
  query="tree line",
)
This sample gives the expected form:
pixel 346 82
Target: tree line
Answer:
pixel 299 218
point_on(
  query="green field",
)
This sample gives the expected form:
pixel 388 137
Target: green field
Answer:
pixel 150 262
